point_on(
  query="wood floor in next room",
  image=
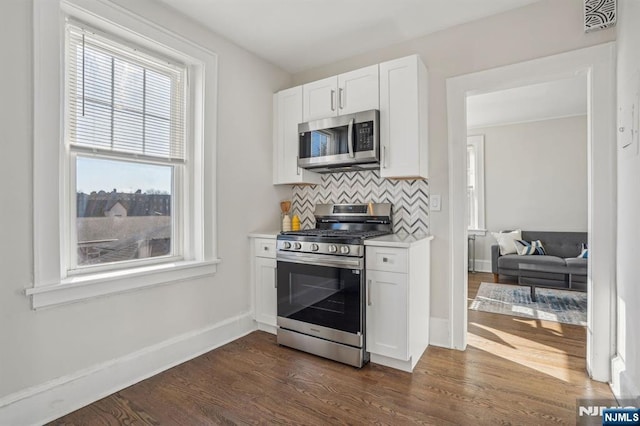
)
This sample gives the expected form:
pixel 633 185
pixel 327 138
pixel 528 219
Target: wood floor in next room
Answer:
pixel 514 371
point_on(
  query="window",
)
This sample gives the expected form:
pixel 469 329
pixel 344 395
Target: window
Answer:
pixel 475 182
pixel 126 223
pixel 124 127
pixel 130 201
pixel 320 141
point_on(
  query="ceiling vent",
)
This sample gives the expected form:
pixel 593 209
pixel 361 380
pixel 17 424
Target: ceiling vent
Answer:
pixel 599 14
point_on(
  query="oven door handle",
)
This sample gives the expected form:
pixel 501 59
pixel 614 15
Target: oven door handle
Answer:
pixel 329 261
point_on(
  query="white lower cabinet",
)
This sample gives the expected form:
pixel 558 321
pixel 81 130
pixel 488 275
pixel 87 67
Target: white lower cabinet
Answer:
pixel 266 292
pixel 386 319
pixel 397 315
pixel 264 284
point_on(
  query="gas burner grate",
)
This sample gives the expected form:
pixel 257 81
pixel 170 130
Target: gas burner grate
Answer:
pixel 337 233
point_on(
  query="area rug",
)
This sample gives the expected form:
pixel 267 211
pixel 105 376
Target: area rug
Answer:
pixel 569 307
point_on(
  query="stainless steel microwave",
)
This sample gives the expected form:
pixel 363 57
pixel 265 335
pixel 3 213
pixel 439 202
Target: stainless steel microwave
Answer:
pixel 344 143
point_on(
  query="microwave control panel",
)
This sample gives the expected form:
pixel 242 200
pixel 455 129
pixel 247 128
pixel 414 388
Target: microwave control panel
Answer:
pixel 364 136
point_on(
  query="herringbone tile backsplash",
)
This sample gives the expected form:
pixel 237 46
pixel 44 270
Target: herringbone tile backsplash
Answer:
pixel 410 198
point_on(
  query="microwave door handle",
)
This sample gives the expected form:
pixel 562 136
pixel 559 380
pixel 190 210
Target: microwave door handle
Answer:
pixel 350 138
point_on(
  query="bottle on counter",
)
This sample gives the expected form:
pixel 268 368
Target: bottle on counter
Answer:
pixel 295 223
pixel 285 207
pixel 286 223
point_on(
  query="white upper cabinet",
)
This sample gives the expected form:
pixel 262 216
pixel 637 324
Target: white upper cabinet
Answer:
pixel 287 109
pixel 358 90
pixel 342 94
pixel 403 118
pixel 397 88
pixel 320 99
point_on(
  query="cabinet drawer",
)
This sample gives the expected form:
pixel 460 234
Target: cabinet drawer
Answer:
pixel 387 259
pixel 265 248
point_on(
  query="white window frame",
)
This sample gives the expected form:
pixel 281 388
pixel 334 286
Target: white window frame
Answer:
pixel 52 284
pixel 179 192
pixel 477 142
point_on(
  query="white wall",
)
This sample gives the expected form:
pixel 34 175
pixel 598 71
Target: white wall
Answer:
pixel 626 377
pixel 38 346
pixel 535 178
pixel 541 29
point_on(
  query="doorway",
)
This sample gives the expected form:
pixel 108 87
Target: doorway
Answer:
pixel 598 65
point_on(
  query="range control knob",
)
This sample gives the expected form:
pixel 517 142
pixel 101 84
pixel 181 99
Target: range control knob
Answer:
pixel 344 249
pixel 297 246
pixel 314 247
pixel 332 249
pixel 287 245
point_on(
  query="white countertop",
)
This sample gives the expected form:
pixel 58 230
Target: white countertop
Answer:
pixel 402 240
pixel 271 234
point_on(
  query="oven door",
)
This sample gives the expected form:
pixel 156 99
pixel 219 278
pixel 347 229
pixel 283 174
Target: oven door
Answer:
pixel 322 295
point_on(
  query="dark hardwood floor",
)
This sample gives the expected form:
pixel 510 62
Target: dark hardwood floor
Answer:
pixel 514 371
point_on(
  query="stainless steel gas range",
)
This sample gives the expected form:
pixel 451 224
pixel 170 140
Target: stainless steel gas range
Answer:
pixel 321 281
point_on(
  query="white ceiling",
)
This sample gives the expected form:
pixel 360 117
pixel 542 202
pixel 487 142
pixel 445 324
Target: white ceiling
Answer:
pixel 301 34
pixel 560 98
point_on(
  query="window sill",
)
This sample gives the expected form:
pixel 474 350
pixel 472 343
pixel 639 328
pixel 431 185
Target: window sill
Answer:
pixel 82 287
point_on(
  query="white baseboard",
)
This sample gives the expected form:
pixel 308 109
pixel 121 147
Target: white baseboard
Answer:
pixel 482 265
pixel 439 332
pixel 621 384
pixel 273 329
pixel 406 366
pixel 48 401
pixel 617 368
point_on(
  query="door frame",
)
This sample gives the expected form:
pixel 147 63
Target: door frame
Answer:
pixel 598 64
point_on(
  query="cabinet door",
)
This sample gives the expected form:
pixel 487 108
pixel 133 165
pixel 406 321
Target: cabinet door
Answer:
pixel 358 90
pixel 320 99
pixel 266 293
pixel 287 106
pixel 387 316
pixel 403 118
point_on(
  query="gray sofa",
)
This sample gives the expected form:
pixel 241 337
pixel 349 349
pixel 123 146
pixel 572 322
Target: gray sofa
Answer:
pixel 561 248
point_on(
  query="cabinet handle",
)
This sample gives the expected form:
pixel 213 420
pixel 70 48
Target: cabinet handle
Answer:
pixel 384 157
pixel 369 292
pixel 385 260
pixel 333 100
pixel 341 98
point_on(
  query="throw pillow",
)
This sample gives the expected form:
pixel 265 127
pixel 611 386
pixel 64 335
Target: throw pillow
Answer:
pixel 525 248
pixel 505 240
pixel 584 252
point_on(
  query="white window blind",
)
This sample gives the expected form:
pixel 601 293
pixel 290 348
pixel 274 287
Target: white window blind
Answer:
pixel 472 187
pixel 122 101
pixel 475 181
